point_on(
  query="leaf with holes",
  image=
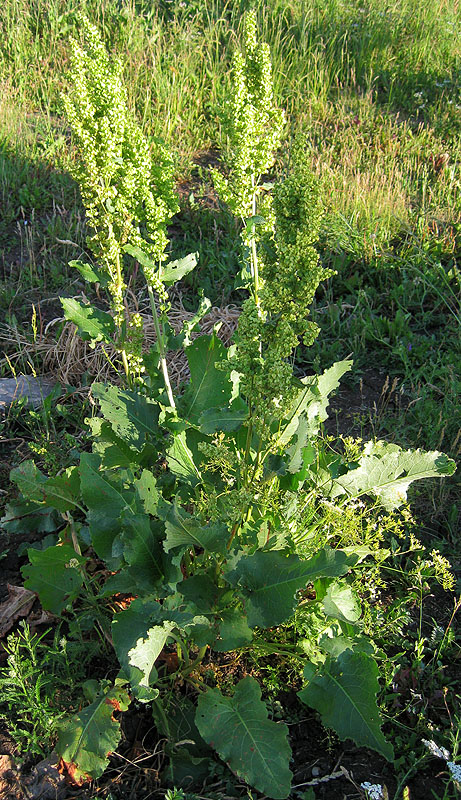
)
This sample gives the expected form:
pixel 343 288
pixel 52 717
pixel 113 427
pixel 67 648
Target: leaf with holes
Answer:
pixel 270 580
pixel 253 746
pixel 93 325
pixel 132 416
pixel 90 736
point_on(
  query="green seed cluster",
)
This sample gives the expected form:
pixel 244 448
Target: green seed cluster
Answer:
pixel 254 124
pixel 290 273
pixel 125 187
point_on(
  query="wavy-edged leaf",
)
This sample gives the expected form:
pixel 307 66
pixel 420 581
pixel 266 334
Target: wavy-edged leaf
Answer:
pixel 147 492
pixel 182 529
pixel 341 602
pixel 175 270
pixel 312 402
pixel 89 737
pixel 209 387
pixel 254 747
pixel 224 419
pixel 270 580
pixel 345 697
pixel 386 472
pixel 132 416
pixel 181 461
pixel 106 500
pixel 93 325
pixel 61 492
pixel 53 573
pixel 142 550
pixel 90 273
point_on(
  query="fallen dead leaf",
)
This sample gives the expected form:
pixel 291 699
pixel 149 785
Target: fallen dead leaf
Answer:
pixel 19 603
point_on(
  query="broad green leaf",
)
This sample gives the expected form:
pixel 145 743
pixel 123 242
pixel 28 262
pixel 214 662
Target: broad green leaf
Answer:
pixel 209 387
pixel 113 451
pixel 105 500
pixel 61 492
pixel 184 530
pixel 132 416
pixel 138 633
pixel 30 481
pixel 224 419
pixel 129 627
pixel 54 574
pixel 254 747
pixel 181 461
pixel 93 325
pixel 175 270
pixel 345 697
pixel 142 550
pixel 342 603
pixel 90 273
pixel 388 472
pixel 270 580
pixel 312 403
pixel 27 516
pixel 89 737
pixel 146 490
pixel 146 651
pixel 202 591
pixel 234 632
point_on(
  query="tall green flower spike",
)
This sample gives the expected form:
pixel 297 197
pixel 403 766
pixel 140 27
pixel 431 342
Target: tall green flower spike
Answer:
pixel 290 272
pixel 125 186
pixel 254 124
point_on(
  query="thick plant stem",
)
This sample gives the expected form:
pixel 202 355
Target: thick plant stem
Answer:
pixel 166 377
pixel 126 366
pixel 254 256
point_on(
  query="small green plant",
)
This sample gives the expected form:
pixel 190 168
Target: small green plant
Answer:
pixel 196 502
pixel 39 685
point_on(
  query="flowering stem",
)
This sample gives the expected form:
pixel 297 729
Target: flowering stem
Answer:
pixel 166 377
pixel 254 256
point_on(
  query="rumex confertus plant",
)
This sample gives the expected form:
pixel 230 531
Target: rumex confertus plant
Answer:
pixel 194 503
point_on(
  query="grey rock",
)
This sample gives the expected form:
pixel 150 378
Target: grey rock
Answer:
pixel 33 389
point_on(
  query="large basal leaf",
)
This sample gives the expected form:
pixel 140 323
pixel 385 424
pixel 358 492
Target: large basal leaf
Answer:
pixel 61 492
pixel 27 516
pixel 142 550
pixel 93 325
pixel 254 747
pixel 106 502
pixel 224 419
pixel 181 461
pixel 184 530
pixel 147 492
pixel 129 627
pixel 53 573
pixel 90 736
pixel 386 472
pixel 270 580
pixel 209 387
pixel 234 632
pixel 341 602
pixel 146 651
pixel 345 697
pixel 132 416
pixel 139 634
